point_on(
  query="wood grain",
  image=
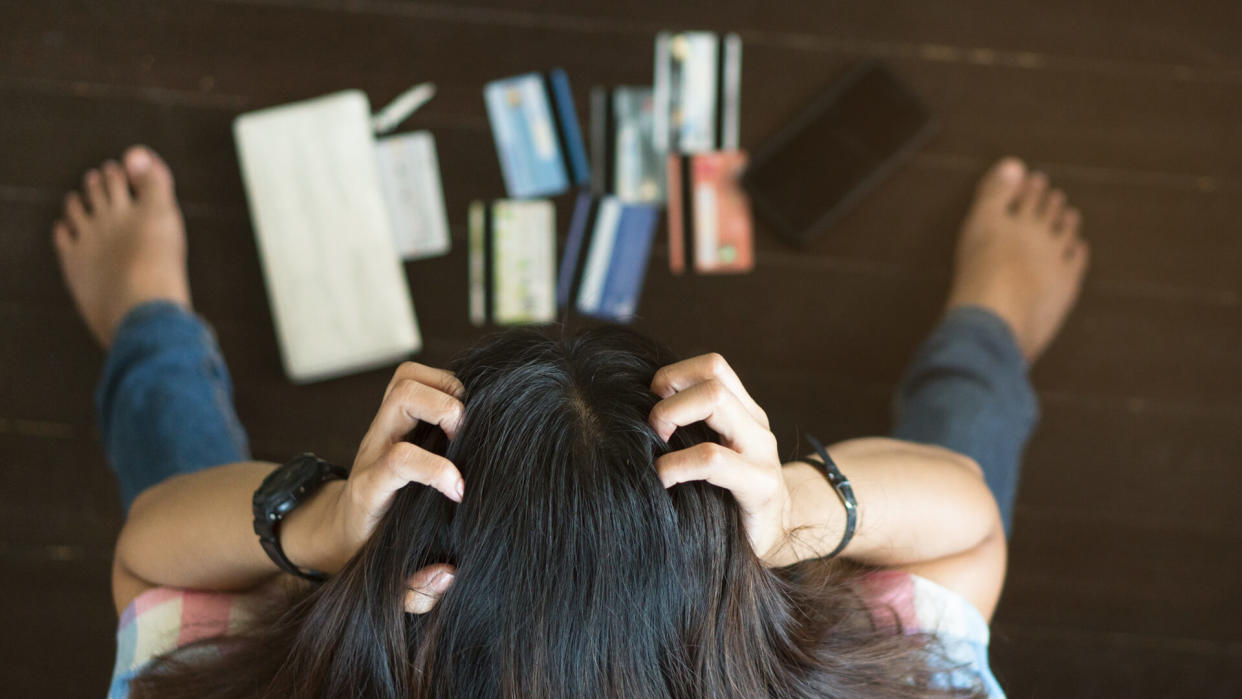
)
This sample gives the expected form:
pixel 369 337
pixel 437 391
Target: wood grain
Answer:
pixel 1123 568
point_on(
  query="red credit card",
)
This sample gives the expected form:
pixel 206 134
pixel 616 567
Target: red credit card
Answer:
pixel 709 231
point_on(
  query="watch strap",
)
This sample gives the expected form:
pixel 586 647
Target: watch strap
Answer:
pixel 267 520
pixel 841 485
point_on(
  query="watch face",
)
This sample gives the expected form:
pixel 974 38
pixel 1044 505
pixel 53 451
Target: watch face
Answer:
pixel 293 475
pixel 278 493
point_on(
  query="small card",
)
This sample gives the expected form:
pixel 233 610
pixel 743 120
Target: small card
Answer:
pixel 615 264
pixel 698 80
pixel 410 175
pixel 512 259
pixel 536 131
pixel 709 222
pixel 625 161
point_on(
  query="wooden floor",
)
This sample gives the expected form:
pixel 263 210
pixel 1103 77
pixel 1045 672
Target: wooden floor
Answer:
pixel 1126 562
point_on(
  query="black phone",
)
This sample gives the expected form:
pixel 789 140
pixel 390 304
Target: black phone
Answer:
pixel 840 147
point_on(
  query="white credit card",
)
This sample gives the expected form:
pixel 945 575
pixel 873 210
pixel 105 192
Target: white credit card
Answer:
pixel 639 167
pixel 697 89
pixel 523 261
pixel 410 175
pixel 599 255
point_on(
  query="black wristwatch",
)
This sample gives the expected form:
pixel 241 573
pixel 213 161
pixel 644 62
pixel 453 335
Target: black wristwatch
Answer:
pixel 284 489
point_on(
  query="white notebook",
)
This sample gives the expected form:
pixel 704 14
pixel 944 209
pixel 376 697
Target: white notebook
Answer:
pixel 337 288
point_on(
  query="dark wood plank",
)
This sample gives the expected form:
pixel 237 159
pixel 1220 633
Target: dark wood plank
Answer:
pixel 862 324
pixel 1122 569
pixel 1162 468
pixel 60 492
pixel 1049 115
pixel 60 622
pixel 1149 241
pixel 1044 662
pixel 1076 571
pixel 1101 36
pixel 1175 352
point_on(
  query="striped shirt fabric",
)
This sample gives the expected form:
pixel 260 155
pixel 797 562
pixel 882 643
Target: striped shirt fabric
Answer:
pixel 163 618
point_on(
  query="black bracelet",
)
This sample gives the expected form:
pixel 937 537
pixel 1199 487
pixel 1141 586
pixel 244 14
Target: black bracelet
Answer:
pixel 841 484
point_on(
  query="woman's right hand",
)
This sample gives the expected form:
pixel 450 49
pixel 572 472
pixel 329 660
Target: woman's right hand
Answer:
pixel 746 462
pixel 387 463
pixel 347 513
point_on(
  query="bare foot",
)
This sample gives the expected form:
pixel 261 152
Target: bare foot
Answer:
pixel 1020 254
pixel 122 243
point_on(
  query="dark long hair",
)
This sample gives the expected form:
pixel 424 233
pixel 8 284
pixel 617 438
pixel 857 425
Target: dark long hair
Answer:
pixel 578 573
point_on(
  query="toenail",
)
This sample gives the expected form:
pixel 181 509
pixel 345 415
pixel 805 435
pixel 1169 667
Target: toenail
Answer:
pixel 1010 170
pixel 139 160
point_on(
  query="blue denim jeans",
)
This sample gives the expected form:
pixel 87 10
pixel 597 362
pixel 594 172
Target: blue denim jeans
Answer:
pixel 966 389
pixel 165 400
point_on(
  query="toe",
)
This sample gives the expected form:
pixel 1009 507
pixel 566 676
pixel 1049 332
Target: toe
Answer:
pixel 1078 255
pixel 1054 205
pixel 93 185
pixel 149 174
pixel 115 183
pixel 1002 183
pixel 75 213
pixel 1067 222
pixel 62 237
pixel 1032 194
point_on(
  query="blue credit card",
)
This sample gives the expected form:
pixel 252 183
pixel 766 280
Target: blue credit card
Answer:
pixel 578 168
pixel 536 131
pixel 584 210
pixel 616 259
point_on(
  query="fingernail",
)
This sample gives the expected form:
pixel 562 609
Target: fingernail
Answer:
pixel 460 489
pixel 441 582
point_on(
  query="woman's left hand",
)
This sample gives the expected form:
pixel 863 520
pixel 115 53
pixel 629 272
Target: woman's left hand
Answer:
pixel 745 462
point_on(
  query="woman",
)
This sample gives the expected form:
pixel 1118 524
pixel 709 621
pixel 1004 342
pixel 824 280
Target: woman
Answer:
pixel 578 517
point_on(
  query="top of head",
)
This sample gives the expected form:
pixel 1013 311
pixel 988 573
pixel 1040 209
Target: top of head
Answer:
pixel 565 533
pixel 558 457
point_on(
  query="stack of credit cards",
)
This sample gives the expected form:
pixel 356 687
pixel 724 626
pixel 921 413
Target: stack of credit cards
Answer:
pixel 697 99
pixel 613 226
pixel 674 141
pixel 536 131
pixel 610 240
pixel 512 258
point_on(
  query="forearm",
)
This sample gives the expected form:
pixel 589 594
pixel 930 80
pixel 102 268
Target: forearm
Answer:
pixel 915 503
pixel 196 530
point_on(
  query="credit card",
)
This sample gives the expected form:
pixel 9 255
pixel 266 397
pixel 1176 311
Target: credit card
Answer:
pixel 697 95
pixel 536 131
pixel 478 236
pixel 615 262
pixel 709 221
pixel 512 258
pixel 410 175
pixel 625 161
